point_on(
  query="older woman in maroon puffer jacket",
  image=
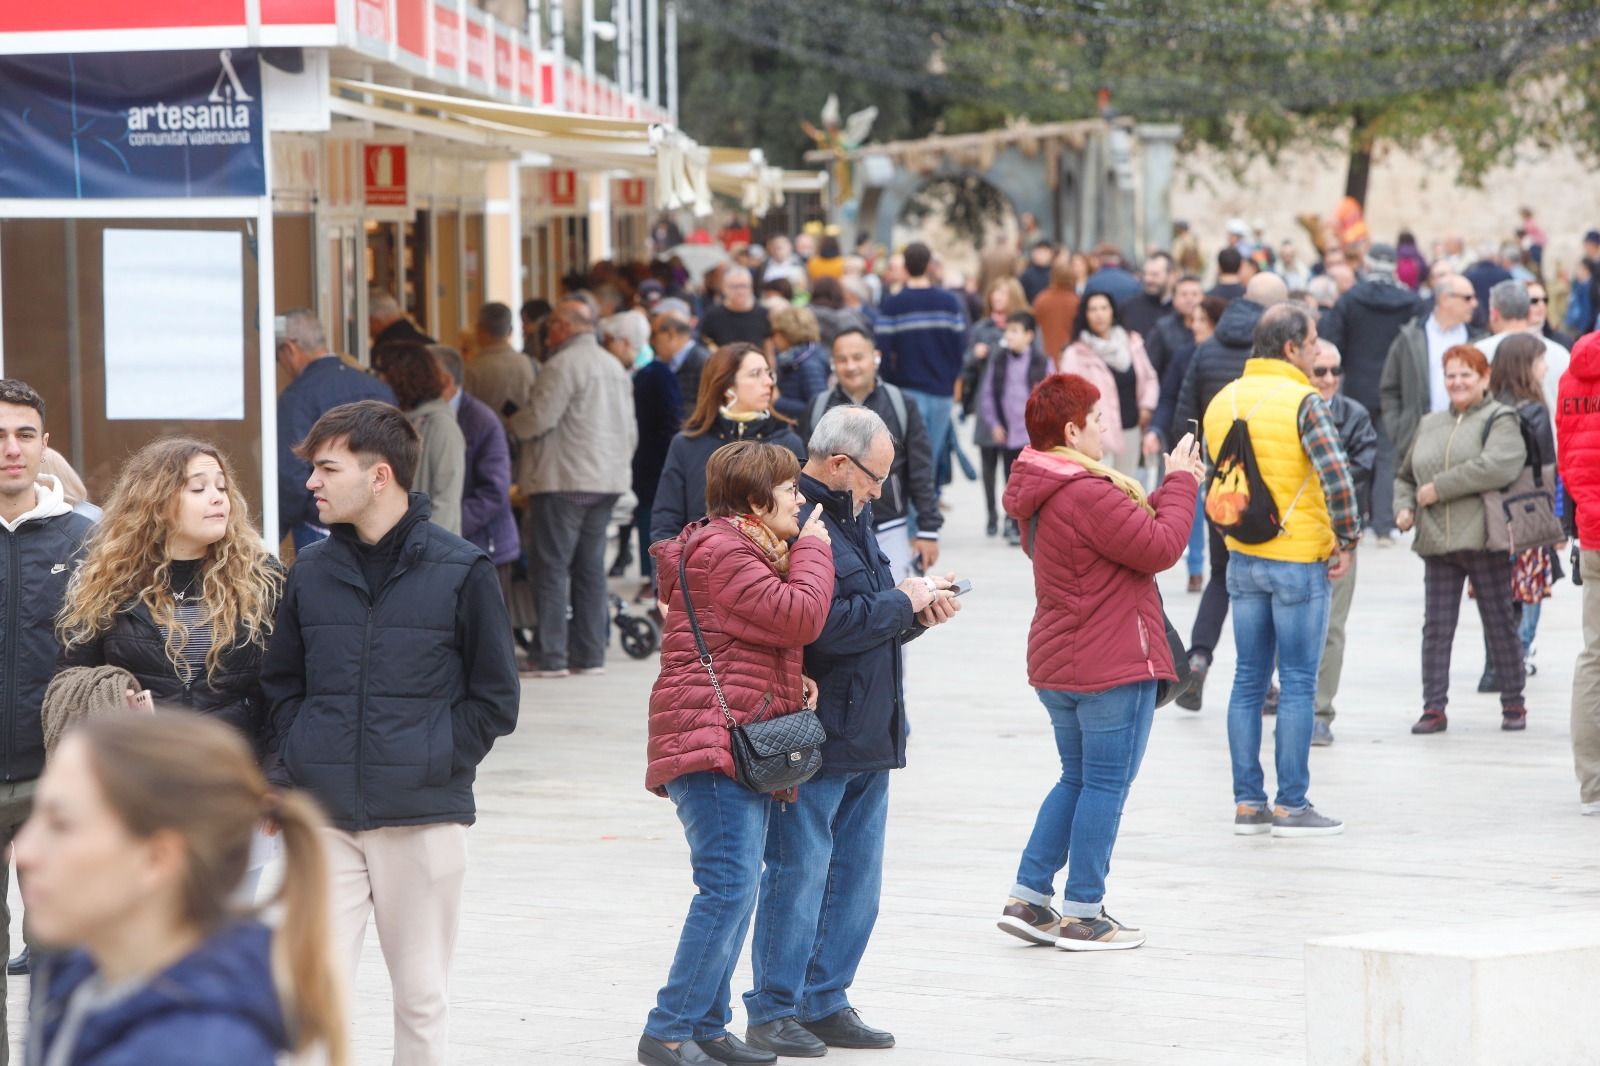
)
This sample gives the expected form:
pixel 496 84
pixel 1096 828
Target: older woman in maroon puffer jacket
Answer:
pixel 1095 651
pixel 759 603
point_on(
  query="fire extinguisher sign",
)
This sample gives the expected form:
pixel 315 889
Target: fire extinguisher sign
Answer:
pixel 385 175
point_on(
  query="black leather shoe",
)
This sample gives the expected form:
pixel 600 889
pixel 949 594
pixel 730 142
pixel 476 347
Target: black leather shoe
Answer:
pixel 731 1049
pixel 653 1052
pixel 1488 682
pixel 846 1029
pixel 19 966
pixel 785 1037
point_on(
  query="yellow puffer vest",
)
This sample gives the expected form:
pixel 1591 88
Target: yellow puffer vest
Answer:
pixel 1270 394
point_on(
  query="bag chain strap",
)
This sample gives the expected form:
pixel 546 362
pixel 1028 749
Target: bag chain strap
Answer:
pixel 700 640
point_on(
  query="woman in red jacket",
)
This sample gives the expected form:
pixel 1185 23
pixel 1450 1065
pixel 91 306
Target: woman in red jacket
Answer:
pixel 759 603
pixel 1095 651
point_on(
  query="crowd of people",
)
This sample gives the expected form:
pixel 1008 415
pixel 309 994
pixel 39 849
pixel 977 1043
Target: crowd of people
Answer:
pixel 768 447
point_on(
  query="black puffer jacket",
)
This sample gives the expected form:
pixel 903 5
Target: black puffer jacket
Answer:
pixel 1218 361
pixel 36 562
pixel 1362 325
pixel 681 492
pixel 384 701
pixel 232 693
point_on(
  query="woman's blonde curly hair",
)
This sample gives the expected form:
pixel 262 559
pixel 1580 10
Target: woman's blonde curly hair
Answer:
pixel 127 561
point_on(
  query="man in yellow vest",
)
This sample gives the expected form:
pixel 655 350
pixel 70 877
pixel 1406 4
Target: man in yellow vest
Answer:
pixel 1280 589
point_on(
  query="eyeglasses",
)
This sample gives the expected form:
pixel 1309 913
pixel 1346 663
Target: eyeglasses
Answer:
pixel 1327 371
pixel 875 478
pixel 1470 297
pixel 1538 299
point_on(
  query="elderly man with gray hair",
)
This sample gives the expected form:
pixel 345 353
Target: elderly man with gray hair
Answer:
pixel 499 375
pixel 387 321
pixel 824 856
pixel 1511 311
pixel 320 382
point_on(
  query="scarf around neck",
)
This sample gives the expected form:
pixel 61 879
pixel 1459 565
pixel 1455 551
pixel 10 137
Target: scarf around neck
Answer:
pixel 742 416
pixel 774 548
pixel 1131 486
pixel 1113 349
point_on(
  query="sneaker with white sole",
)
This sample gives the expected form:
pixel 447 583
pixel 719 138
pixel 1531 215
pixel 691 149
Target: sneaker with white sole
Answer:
pixel 1030 921
pixel 1251 821
pixel 1591 808
pixel 1304 823
pixel 1100 933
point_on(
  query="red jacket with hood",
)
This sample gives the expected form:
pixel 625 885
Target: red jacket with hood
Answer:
pixel 756 624
pixel 1098 623
pixel 1578 436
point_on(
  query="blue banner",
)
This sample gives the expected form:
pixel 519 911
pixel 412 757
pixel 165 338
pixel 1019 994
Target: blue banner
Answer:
pixel 131 124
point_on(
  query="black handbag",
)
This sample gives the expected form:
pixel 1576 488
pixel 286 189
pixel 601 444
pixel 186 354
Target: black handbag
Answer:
pixel 1167 691
pixel 769 754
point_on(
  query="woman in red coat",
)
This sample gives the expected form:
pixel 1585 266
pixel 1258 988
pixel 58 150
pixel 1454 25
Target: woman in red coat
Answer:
pixel 759 603
pixel 1095 651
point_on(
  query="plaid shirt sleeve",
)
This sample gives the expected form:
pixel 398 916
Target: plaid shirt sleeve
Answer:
pixel 1319 433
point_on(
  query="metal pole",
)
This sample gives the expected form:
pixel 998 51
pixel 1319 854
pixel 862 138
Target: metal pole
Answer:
pixel 672 59
pixel 652 53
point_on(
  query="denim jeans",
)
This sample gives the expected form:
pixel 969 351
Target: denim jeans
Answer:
pixel 726 827
pixel 1101 737
pixel 1280 612
pixel 935 411
pixel 1195 560
pixel 568 556
pixel 819 897
pixel 1528 627
pixel 1383 482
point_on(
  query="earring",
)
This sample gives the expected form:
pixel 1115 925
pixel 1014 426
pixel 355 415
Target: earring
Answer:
pixel 730 395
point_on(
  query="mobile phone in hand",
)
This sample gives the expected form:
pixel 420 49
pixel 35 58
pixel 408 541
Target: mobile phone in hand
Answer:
pixel 962 587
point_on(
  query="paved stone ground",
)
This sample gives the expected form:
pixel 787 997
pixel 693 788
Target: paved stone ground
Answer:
pixel 579 879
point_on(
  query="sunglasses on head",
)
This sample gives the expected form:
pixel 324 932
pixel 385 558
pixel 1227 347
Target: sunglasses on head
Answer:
pixel 1327 371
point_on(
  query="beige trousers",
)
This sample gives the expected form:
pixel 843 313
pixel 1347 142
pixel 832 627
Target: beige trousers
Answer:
pixel 409 880
pixel 1344 591
pixel 1586 685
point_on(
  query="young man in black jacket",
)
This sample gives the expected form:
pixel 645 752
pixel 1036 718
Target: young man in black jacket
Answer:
pixel 389 676
pixel 39 546
pixel 824 854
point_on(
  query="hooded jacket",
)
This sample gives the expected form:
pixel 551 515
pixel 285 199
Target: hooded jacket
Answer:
pixel 1217 362
pixel 37 557
pixel 217 1004
pixel 681 493
pixel 1098 622
pixel 756 624
pixel 1578 437
pixel 1362 325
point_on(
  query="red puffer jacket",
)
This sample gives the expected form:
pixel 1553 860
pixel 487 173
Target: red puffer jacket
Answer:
pixel 756 624
pixel 1578 436
pixel 1098 622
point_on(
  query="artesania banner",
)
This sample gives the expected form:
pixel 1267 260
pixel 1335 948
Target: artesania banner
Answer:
pixel 131 124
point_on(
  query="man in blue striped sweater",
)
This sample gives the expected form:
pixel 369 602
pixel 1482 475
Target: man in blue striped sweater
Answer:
pixel 922 333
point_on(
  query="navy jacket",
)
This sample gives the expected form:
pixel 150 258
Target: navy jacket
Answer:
pixel 856 662
pixel 681 493
pixel 321 387
pixel 1217 362
pixel 217 1004
pixel 384 701
pixel 486 518
pixel 802 373
pixel 36 562
pixel 657 411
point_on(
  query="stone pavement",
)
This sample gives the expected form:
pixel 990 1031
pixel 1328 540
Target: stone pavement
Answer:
pixel 579 879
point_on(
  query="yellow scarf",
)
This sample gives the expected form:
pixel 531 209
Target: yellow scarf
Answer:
pixel 776 550
pixel 1129 485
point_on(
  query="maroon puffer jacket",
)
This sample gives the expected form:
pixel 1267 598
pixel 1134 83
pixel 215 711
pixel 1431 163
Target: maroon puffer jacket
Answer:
pixel 1098 622
pixel 756 624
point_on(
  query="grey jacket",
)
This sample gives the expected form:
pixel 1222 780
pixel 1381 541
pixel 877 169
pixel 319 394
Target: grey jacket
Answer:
pixel 579 431
pixel 1453 452
pixel 442 467
pixel 1404 388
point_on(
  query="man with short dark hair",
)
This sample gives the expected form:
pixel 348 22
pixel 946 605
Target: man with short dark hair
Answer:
pixel 1036 275
pixel 1280 588
pixel 1142 310
pixel 672 339
pixel 387 321
pixel 320 382
pixel 499 375
pixel 389 675
pixel 922 335
pixel 738 317
pixel 1228 285
pixel 1172 334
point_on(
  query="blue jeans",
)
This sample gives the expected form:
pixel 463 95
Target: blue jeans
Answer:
pixel 1528 628
pixel 936 412
pixel 1280 611
pixel 1196 559
pixel 819 897
pixel 726 826
pixel 1101 737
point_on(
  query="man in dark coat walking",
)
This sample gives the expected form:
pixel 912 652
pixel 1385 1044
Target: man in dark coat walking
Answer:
pixel 824 857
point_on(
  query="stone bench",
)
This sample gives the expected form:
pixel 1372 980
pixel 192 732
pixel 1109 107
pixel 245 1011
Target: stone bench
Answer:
pixel 1502 993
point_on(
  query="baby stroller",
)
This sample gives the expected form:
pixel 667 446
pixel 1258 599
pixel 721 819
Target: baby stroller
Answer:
pixel 639 634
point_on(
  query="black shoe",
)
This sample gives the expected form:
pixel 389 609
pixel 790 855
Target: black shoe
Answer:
pixel 785 1036
pixel 19 966
pixel 846 1029
pixel 653 1052
pixel 620 567
pixel 993 528
pixel 1013 532
pixel 731 1049
pixel 1189 698
pixel 1488 682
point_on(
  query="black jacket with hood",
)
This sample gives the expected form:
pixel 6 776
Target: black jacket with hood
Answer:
pixel 1362 325
pixel 1217 362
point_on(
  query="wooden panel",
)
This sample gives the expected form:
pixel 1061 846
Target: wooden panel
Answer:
pixel 447 263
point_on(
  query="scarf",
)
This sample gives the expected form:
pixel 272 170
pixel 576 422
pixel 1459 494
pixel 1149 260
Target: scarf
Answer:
pixel 744 416
pixel 1127 484
pixel 775 549
pixel 1113 350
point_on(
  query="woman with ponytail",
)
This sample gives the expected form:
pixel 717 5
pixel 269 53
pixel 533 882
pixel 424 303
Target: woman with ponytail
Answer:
pixel 140 832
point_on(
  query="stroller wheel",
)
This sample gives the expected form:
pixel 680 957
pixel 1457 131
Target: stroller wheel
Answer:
pixel 638 636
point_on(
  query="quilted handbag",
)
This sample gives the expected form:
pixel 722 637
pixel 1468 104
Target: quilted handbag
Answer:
pixel 769 754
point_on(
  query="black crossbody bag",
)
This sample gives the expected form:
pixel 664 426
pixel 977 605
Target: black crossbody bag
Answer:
pixel 769 754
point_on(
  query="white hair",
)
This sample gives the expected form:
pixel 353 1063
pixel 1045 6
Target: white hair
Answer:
pixel 629 327
pixel 848 429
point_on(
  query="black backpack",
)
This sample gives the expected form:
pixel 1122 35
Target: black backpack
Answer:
pixel 1238 502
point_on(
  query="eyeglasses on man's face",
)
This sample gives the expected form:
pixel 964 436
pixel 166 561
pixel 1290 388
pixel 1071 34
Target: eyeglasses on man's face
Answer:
pixel 859 466
pixel 1327 371
pixel 1538 299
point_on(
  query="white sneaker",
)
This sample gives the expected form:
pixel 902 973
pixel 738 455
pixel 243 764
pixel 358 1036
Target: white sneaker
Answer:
pixel 1591 808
